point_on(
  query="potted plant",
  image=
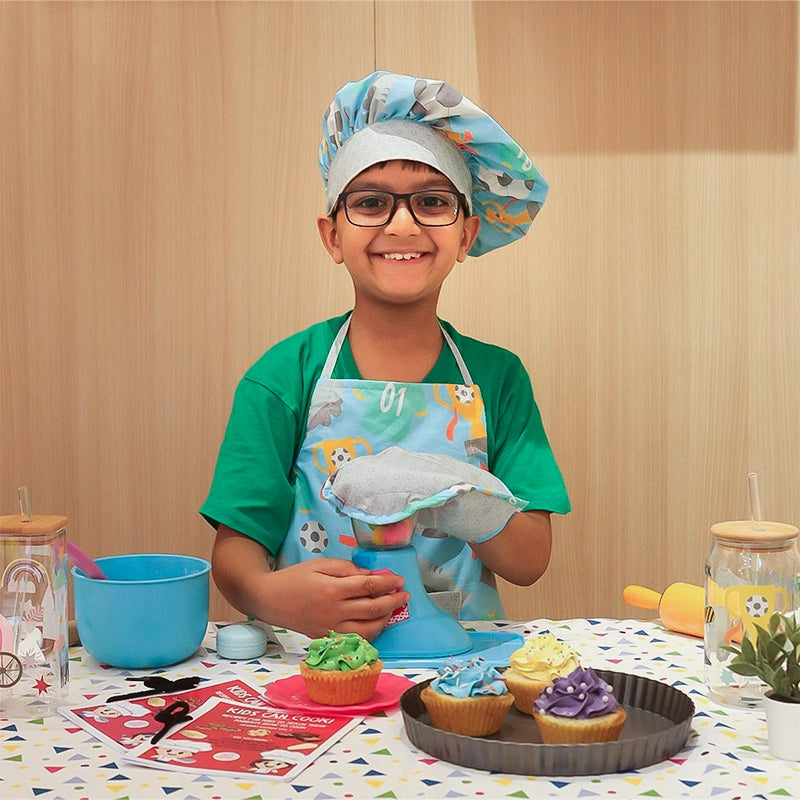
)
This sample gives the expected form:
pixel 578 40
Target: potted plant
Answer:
pixel 775 659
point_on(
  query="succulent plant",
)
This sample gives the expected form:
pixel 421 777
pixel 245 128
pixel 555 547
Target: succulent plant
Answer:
pixel 773 657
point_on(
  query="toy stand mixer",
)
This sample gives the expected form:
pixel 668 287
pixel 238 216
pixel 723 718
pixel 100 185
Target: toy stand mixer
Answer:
pixel 421 629
pixel 389 495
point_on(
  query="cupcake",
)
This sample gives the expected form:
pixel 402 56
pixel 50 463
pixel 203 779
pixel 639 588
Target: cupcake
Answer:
pixel 578 708
pixel 467 697
pixel 534 666
pixel 341 669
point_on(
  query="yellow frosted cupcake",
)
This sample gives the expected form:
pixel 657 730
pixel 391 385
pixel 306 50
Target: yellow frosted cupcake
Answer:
pixel 579 708
pixel 467 697
pixel 341 669
pixel 534 666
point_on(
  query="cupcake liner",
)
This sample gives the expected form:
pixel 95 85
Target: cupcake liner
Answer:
pixel 470 716
pixel 566 730
pixel 341 688
pixel 524 689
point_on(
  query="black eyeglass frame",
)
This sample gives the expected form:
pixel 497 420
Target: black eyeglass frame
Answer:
pixel 461 203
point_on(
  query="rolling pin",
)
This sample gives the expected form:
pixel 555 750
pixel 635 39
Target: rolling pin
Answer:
pixel 681 606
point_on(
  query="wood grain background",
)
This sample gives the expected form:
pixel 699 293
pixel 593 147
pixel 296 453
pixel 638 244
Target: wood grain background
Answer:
pixel 158 195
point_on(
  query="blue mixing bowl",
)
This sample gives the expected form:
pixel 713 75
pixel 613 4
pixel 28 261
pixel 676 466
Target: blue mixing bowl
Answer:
pixel 151 612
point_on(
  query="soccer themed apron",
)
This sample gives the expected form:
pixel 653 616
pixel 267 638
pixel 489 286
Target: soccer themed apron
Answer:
pixel 353 417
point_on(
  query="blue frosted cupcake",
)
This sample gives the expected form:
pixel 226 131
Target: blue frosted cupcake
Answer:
pixel 467 697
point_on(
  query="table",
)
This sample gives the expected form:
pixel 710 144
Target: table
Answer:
pixel 725 757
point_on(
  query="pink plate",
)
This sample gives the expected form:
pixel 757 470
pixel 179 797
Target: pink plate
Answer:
pixel 291 693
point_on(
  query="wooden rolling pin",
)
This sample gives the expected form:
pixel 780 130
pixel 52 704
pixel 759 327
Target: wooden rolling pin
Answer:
pixel 681 605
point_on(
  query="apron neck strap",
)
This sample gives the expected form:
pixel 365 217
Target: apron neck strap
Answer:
pixel 336 348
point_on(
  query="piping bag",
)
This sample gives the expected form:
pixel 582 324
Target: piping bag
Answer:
pixel 681 606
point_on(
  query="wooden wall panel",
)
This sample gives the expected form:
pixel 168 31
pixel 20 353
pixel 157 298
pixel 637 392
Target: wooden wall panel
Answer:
pixel 159 196
pixel 641 77
pixel 645 300
pixel 158 189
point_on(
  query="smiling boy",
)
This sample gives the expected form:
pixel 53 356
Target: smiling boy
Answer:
pixel 415 175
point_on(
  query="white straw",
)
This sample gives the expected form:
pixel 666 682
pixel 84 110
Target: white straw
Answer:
pixel 755 501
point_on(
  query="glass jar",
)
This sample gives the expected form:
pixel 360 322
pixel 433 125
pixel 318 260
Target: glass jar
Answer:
pixel 34 629
pixel 751 572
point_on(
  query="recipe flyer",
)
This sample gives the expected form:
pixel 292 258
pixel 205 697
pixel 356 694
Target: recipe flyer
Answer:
pixel 126 724
pixel 228 738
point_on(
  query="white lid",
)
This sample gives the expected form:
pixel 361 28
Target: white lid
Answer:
pixel 241 641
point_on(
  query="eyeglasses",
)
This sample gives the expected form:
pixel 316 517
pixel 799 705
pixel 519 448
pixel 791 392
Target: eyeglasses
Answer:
pixel 371 208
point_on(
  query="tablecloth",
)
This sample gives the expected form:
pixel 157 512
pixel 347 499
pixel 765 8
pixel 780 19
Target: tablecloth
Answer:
pixel 725 757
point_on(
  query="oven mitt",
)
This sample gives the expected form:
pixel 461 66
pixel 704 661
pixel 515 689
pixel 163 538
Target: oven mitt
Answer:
pixel 451 496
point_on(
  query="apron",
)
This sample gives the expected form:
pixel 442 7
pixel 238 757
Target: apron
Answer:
pixel 353 417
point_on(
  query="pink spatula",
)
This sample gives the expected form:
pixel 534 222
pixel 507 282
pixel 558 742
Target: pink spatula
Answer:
pixel 77 557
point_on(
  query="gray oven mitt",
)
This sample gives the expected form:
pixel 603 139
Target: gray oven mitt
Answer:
pixel 451 496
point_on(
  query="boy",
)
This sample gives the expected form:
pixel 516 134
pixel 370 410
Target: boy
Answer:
pixel 417 177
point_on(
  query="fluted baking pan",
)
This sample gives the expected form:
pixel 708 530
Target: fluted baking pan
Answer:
pixel 658 723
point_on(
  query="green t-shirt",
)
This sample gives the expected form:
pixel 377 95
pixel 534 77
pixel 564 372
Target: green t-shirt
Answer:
pixel 252 490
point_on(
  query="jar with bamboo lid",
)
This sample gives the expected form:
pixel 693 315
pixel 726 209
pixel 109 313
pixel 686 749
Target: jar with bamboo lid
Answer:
pixel 751 572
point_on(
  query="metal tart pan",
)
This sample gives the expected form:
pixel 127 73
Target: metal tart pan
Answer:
pixel 658 723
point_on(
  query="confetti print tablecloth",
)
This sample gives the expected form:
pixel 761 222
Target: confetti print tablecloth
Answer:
pixel 725 757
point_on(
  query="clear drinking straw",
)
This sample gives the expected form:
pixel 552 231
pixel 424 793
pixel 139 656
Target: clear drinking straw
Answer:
pixel 24 503
pixel 19 596
pixel 755 501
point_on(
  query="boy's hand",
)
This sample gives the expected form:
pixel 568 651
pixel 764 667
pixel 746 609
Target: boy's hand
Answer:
pixel 329 594
pixel 312 597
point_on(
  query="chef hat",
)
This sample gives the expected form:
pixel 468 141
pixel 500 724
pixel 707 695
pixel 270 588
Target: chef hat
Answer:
pixel 181 743
pixel 388 116
pixel 129 709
